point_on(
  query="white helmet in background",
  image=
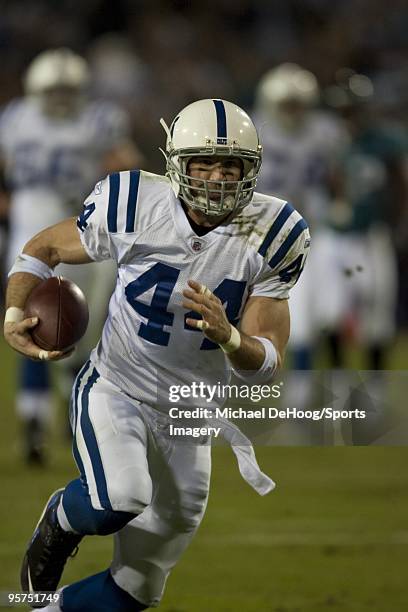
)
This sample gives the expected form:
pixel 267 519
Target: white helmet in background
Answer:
pixel 60 77
pixel 212 128
pixel 286 92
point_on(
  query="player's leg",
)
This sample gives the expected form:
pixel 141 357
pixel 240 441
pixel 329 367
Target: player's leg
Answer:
pixel 110 447
pixel 33 405
pixel 302 321
pixel 331 292
pixel 98 593
pixel 299 387
pixel 379 306
pixel 33 396
pixel 377 291
pixel 148 548
pixel 97 283
pixel 115 485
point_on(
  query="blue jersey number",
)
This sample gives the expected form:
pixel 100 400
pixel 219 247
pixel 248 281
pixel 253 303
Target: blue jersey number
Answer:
pixel 58 166
pixel 294 269
pixel 65 165
pixel 164 278
pixel 82 221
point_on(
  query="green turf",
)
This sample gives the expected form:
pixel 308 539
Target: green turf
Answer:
pixel 333 536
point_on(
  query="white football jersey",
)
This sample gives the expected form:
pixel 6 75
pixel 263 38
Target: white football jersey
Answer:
pixel 135 218
pixel 51 164
pixel 296 165
pixel 62 154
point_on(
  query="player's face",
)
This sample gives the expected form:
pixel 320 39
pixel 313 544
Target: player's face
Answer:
pixel 216 170
pixel 61 102
pixel 291 114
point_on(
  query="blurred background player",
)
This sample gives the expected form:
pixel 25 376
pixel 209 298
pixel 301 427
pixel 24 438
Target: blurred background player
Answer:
pixel 372 203
pixel 301 146
pixel 55 143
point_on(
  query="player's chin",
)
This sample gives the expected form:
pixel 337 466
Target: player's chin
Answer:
pixel 215 196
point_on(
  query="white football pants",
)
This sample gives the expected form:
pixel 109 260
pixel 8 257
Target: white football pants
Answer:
pixel 132 466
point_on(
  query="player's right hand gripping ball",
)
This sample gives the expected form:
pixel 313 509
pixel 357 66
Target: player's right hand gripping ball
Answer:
pixel 62 311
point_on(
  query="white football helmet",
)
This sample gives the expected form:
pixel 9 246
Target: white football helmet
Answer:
pixel 212 128
pixel 59 77
pixel 287 90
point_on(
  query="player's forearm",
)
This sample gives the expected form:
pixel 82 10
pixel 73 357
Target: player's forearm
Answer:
pixel 250 355
pixel 21 284
pixel 19 288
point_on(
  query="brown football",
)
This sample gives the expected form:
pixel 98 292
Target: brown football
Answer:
pixel 62 311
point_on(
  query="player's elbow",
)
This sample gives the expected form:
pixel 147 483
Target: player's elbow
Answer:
pixel 40 247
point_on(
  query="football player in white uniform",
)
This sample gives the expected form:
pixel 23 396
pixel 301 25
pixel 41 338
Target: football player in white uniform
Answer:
pixel 204 270
pixel 301 150
pixel 54 146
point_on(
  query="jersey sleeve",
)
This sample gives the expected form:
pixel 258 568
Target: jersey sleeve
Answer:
pixel 284 249
pixel 92 223
pixel 107 224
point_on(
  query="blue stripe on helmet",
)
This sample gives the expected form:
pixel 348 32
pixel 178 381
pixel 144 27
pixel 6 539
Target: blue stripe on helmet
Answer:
pixel 221 121
pixel 173 125
pixel 114 184
pixel 295 232
pixel 132 200
pixel 275 228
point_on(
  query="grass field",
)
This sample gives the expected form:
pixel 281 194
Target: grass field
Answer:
pixel 333 536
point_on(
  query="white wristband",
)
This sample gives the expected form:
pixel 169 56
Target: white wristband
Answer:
pixel 32 265
pixel 14 315
pixel 233 343
pixel 267 369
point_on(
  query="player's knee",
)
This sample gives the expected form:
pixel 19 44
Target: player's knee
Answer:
pixel 130 494
pixel 190 512
pixel 87 520
pixel 106 522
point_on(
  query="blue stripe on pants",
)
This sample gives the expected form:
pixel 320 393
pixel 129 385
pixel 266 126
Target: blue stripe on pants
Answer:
pixel 92 444
pixel 75 450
